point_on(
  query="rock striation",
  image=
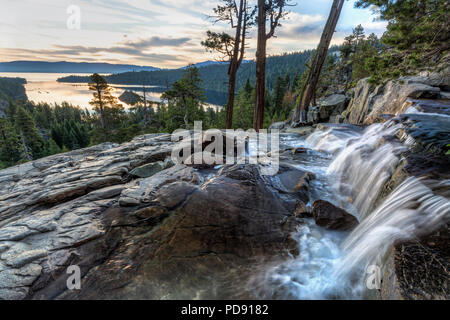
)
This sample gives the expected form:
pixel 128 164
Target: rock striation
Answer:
pixel 140 227
pixel 371 103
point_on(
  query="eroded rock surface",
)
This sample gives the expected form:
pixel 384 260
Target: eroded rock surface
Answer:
pixel 371 103
pixel 181 232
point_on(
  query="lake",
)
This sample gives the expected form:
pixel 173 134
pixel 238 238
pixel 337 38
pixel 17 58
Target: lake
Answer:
pixel 43 87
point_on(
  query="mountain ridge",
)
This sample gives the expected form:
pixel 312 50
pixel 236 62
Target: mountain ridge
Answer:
pixel 89 67
pixel 70 67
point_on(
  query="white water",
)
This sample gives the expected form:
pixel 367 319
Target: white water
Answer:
pixel 333 264
pixel 364 166
pixel 412 209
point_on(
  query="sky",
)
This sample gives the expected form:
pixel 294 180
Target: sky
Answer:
pixel 159 33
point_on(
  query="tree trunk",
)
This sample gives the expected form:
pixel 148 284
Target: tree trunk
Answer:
pixel 100 103
pixel 314 73
pixel 144 91
pixel 186 115
pixel 230 100
pixel 260 86
pixel 233 67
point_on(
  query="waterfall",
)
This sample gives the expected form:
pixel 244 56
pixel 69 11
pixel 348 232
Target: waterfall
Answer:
pixel 365 164
pixel 332 140
pixel 333 264
pixel 411 210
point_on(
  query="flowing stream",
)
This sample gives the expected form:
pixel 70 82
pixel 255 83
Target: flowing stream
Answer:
pixel 351 166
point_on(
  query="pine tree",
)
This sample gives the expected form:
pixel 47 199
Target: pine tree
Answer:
pixel 244 107
pixel 238 17
pixel 308 92
pixel 30 137
pixel 417 36
pixel 278 95
pixel 10 144
pixel 185 100
pixel 110 112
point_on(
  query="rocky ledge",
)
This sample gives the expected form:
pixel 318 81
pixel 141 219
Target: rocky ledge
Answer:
pixel 139 226
pixel 373 103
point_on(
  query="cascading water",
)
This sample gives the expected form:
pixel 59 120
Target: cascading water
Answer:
pixel 333 264
pixel 365 165
pixel 413 208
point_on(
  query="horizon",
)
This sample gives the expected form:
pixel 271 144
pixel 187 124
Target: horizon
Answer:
pixel 151 33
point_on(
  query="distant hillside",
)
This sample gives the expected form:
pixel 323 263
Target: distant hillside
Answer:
pixel 69 67
pixel 210 63
pixel 11 88
pixel 214 75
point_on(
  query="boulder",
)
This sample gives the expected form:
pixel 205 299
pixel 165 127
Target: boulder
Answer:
pixel 188 242
pixel 291 183
pixel 332 105
pixel 331 217
pixel 278 126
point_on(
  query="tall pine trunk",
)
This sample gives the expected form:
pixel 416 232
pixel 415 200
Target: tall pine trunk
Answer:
pixel 102 113
pixel 235 64
pixel 230 100
pixel 260 86
pixel 308 91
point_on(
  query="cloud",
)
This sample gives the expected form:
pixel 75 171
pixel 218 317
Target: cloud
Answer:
pixel 81 53
pixel 302 25
pixel 157 42
pixel 163 33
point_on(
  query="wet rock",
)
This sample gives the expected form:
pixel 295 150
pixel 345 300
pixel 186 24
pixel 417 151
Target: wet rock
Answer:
pixel 292 183
pixel 301 210
pixel 299 150
pixel 445 95
pixel 201 165
pixel 331 217
pixel 428 106
pixel 429 132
